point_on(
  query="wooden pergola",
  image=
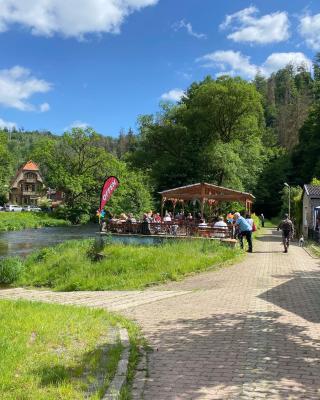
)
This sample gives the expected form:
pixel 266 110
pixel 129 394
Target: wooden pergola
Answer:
pixel 205 193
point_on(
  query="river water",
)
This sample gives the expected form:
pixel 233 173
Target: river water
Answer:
pixel 22 243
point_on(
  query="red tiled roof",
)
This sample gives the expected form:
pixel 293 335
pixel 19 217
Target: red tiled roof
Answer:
pixel 30 166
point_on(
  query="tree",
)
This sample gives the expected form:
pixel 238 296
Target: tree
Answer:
pixel 5 167
pixel 77 165
pixel 213 134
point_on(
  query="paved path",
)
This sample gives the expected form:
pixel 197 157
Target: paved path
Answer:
pixel 250 331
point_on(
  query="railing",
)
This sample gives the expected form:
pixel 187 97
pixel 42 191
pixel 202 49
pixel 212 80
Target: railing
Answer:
pixel 29 193
pixel 175 228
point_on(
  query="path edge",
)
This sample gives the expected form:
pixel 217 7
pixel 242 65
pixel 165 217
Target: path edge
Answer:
pixel 114 390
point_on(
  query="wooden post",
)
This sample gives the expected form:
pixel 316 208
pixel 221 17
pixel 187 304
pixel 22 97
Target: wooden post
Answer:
pixel 202 207
pixel 174 202
pixel 163 199
pixel 203 193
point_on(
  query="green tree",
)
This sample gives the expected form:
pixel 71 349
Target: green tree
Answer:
pixel 5 167
pixel 77 165
pixel 213 134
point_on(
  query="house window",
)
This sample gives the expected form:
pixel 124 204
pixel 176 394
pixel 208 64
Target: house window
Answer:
pixel 30 175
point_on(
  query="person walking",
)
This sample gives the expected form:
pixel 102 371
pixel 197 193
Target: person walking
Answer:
pixel 262 220
pixel 245 229
pixel 287 228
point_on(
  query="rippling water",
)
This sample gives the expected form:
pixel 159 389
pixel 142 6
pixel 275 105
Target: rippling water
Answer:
pixel 22 243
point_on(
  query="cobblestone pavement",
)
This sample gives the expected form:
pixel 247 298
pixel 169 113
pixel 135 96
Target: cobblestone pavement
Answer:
pixel 112 301
pixel 249 331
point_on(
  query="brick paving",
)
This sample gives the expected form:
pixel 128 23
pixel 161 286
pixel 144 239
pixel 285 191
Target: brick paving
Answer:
pixel 249 331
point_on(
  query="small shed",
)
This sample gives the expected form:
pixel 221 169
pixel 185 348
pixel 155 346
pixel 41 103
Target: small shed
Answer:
pixel 311 209
pixel 205 193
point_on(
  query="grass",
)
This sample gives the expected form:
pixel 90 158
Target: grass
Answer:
pixel 51 352
pixel 273 223
pixel 313 248
pixel 15 221
pixel 67 267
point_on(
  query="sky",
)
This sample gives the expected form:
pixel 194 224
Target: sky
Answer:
pixel 102 63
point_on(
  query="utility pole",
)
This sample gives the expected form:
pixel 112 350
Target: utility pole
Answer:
pixel 289 205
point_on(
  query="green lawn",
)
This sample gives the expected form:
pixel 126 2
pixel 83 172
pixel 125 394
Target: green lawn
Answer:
pixel 68 267
pixel 56 352
pixel 273 223
pixel 313 248
pixel 15 221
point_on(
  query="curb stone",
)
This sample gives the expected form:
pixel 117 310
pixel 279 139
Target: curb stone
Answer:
pixel 113 392
pixel 140 377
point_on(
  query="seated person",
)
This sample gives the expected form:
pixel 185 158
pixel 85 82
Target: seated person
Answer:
pixel 131 219
pixel 167 217
pixel 189 217
pixel 202 223
pixel 157 218
pixel 221 225
pixel 123 217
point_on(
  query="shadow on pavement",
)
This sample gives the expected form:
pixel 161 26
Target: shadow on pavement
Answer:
pixel 232 355
pixel 299 295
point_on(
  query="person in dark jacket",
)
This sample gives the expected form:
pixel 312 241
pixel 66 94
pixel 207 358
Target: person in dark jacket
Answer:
pixel 287 228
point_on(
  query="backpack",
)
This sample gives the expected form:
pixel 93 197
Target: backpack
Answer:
pixel 286 225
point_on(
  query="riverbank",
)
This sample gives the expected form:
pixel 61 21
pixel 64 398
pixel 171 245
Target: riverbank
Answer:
pixel 73 355
pixel 77 265
pixel 15 221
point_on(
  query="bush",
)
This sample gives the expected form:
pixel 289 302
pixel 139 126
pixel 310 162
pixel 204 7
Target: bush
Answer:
pixel 10 269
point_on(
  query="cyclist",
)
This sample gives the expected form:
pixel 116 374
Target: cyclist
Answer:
pixel 286 226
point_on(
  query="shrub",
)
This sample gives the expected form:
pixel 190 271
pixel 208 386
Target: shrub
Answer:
pixel 10 269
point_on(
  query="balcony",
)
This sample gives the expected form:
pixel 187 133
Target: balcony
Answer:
pixel 30 193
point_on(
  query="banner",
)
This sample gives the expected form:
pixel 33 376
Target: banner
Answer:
pixel 110 185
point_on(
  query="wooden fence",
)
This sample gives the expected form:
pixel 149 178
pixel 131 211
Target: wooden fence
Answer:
pixel 174 228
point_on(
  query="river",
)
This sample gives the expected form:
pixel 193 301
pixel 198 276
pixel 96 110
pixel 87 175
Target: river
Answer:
pixel 22 243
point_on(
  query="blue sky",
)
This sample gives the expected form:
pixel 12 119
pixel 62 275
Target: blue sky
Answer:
pixel 104 62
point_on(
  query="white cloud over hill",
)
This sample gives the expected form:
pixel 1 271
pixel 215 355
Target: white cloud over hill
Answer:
pixel 231 62
pixel 6 124
pixel 173 95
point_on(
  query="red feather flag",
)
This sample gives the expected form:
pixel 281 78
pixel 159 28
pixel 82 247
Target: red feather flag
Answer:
pixel 110 185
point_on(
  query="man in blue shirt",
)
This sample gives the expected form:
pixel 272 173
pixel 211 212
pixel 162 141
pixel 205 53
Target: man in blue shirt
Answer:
pixel 245 229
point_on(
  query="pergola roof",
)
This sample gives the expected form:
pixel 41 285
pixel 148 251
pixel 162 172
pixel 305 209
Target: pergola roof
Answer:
pixel 206 191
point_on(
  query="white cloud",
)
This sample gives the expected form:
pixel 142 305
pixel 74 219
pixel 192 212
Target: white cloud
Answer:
pixel 76 124
pixel 309 29
pixel 7 124
pixel 224 60
pixel 186 25
pixel 247 27
pixel 70 18
pixel 173 95
pixel 277 61
pixel 44 107
pixel 17 85
pixel 235 63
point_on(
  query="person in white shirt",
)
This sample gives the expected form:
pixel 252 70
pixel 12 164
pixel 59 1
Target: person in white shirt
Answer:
pixel 249 219
pixel 167 217
pixel 202 223
pixel 221 225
